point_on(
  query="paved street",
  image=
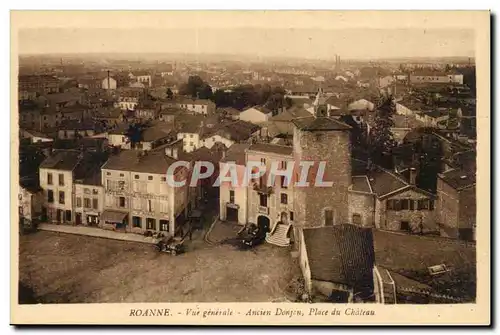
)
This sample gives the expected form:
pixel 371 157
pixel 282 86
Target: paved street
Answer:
pixel 75 269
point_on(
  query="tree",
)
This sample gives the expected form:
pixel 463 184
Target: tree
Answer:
pixel 134 133
pixel 381 138
pixel 196 88
pixel 204 92
pixel 429 152
pixel 170 94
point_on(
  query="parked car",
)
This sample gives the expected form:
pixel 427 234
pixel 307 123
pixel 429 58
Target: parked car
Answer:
pixel 252 237
pixel 171 245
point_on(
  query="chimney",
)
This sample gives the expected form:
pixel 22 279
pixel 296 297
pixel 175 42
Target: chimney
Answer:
pixel 413 176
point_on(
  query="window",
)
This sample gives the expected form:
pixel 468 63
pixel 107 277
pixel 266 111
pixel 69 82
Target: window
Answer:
pixel 150 206
pixel 263 200
pixel 49 178
pixel 431 205
pixel 150 177
pixel 231 196
pixel 94 203
pixel 121 185
pixel 412 205
pixel 95 191
pixel 61 197
pixel 163 178
pixel 291 216
pixel 86 202
pixel 283 182
pixel 50 196
pixel 136 176
pixel 263 161
pixel 405 204
pixel 108 173
pixel 405 226
pixel 122 175
pixel 136 222
pixel 122 202
pixel 423 204
pixel 190 135
pixel 356 219
pixel 151 224
pixel 86 191
pixel 164 226
pixel 78 202
pixel 284 198
pixel 328 217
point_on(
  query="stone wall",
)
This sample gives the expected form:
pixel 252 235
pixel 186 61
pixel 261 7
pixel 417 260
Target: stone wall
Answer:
pixel 333 147
pixel 364 205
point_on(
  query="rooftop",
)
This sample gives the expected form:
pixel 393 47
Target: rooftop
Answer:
pixel 458 179
pixel 411 255
pixel 341 254
pixel 137 161
pixel 291 113
pixel 361 184
pixel 81 125
pixel 64 160
pixel 383 182
pixel 271 148
pixel 156 132
pixel 236 153
pixel 319 124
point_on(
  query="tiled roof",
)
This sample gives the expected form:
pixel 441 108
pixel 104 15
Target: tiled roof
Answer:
pixel 64 160
pixel 341 254
pixel 131 160
pixel 156 132
pixel 236 153
pixel 291 113
pixel 361 184
pixel 319 124
pixel 262 109
pixel 236 131
pixel 81 125
pixel 458 179
pixel 411 255
pixel 271 148
pixel 384 182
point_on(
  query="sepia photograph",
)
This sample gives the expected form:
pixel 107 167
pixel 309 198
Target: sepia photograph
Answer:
pixel 247 166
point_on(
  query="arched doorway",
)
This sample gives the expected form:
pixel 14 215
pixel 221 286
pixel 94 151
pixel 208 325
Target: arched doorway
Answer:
pixel 264 223
pixel 284 217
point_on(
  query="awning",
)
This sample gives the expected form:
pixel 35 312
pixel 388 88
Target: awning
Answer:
pixel 113 216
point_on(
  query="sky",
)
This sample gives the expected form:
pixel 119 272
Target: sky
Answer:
pixel 317 35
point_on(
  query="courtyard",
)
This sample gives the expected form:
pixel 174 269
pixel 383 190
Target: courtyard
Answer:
pixel 65 268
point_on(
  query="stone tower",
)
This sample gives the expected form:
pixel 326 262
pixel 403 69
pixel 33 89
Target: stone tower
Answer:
pixel 321 138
